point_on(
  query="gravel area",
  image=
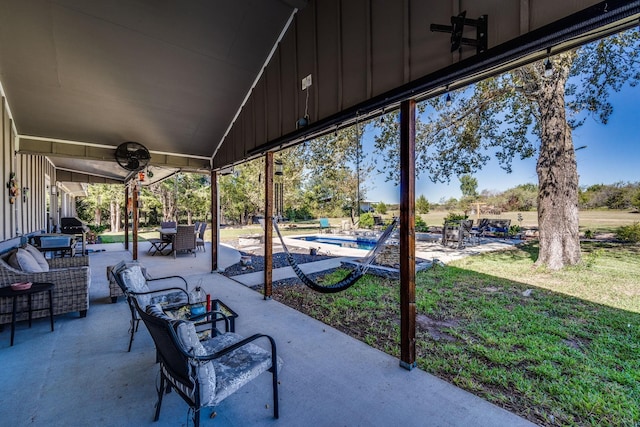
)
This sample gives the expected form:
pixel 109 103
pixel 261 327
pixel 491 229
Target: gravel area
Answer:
pixel 279 260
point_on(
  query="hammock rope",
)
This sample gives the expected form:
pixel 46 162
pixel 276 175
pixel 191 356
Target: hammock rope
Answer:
pixel 352 277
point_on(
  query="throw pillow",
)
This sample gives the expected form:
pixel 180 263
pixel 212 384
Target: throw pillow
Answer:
pixel 22 260
pixel 38 256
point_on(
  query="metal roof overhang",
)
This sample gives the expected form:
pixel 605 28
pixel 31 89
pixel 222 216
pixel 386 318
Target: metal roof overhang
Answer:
pixel 209 84
pixel 541 25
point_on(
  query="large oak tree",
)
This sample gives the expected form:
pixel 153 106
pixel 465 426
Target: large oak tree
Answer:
pixel 531 110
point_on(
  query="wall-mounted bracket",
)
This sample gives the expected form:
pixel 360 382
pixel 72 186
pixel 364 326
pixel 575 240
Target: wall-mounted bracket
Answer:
pixel 457 29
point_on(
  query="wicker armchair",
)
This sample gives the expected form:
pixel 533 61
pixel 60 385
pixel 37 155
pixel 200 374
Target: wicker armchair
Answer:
pixel 185 240
pixel 71 278
pixel 200 229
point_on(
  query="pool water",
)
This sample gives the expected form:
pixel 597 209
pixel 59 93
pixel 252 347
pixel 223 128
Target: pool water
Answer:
pixel 345 243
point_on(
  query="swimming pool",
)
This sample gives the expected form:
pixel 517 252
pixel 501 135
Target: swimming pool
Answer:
pixel 357 243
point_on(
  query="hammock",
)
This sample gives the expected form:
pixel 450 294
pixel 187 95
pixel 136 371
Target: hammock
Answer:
pixel 352 277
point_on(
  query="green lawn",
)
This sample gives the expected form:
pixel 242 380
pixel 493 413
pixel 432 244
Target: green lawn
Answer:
pixel 559 348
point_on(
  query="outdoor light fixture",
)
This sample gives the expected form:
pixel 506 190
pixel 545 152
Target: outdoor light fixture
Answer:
pixel 302 122
pixel 548 66
pixel 25 194
pixel 54 190
pixel 278 167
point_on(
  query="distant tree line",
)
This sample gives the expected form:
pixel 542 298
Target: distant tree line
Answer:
pixel 524 197
pixel 186 198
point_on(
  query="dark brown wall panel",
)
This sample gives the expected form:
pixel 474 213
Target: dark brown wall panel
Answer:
pixel 288 82
pixel 272 77
pixel 358 49
pixel 306 54
pixel 546 11
pixel 355 70
pixel 238 141
pixel 259 94
pixel 248 125
pixel 387 45
pixel 328 75
pixel 421 16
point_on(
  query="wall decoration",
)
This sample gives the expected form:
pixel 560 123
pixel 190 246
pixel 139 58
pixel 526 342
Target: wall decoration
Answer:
pixel 14 187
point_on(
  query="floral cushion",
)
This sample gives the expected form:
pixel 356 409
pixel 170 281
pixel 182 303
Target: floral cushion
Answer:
pixel 134 280
pixel 170 298
pixel 157 311
pixel 236 368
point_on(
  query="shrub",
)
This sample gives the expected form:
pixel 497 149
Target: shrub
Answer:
pixel 381 208
pixel 422 205
pixel 452 216
pixel 366 220
pixel 513 230
pixel 629 233
pixel 421 226
pixel 300 214
pixel 589 234
pixel 97 229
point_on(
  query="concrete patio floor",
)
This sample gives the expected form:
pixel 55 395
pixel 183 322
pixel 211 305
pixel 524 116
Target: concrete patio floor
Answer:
pixel 82 375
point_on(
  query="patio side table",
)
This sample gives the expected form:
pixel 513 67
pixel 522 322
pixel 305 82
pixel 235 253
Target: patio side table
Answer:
pixel 7 292
pixel 184 313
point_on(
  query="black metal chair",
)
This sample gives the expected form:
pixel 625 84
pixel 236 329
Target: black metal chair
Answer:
pixel 172 296
pixel 205 372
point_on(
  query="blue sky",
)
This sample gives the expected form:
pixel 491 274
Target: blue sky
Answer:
pixel 612 154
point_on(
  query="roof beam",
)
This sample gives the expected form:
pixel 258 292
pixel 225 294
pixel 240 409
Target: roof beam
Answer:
pixel 88 151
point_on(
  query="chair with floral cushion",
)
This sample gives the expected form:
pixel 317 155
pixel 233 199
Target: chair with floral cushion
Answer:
pixel 205 372
pixel 135 284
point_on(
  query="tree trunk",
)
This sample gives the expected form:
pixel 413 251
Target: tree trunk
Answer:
pixel 112 216
pixel 117 216
pixel 558 179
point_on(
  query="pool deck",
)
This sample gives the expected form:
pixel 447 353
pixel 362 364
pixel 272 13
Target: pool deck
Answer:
pixel 425 249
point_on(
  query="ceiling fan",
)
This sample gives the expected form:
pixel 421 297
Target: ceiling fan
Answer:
pixel 132 156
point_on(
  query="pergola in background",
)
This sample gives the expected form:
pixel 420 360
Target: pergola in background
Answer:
pixel 206 85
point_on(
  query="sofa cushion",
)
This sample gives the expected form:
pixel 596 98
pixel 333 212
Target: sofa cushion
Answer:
pixel 24 261
pixel 38 256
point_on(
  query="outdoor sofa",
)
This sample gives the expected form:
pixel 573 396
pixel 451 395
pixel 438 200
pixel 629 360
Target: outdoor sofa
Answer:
pixel 71 278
